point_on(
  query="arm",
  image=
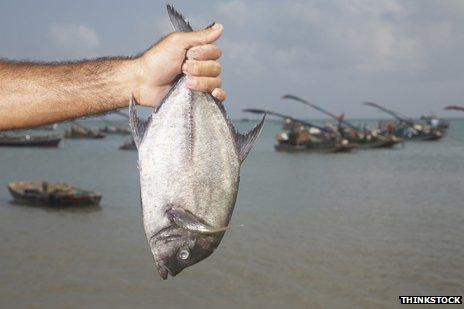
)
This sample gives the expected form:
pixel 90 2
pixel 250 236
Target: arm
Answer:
pixel 33 94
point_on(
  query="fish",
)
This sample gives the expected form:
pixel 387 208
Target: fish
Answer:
pixel 189 159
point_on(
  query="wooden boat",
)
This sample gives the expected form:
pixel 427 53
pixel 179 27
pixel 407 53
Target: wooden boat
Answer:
pixel 110 129
pixel 384 142
pixel 51 194
pixel 455 108
pixel 78 131
pixel 432 135
pixel 128 144
pixel 30 141
pixel 316 147
pixel 411 130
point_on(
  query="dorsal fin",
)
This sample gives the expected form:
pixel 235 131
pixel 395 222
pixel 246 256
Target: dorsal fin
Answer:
pixel 178 21
pixel 138 125
pixel 245 142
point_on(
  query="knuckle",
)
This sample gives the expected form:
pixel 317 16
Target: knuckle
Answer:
pixel 194 68
pixel 174 37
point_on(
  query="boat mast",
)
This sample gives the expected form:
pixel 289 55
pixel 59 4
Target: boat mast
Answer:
pixel 292 97
pixel 303 122
pixel 391 112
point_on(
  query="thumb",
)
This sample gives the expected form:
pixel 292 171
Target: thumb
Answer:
pixel 201 37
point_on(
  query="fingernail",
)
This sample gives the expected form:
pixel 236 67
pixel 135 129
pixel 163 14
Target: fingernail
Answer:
pixel 191 53
pixel 216 26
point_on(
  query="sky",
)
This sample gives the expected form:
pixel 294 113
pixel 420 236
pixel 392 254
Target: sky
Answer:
pixel 404 54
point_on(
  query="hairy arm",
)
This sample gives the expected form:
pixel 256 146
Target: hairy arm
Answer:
pixel 38 93
pixel 33 94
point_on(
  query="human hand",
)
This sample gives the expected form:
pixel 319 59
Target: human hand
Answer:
pixel 191 53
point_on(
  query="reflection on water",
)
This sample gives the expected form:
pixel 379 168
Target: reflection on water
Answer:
pixel 340 230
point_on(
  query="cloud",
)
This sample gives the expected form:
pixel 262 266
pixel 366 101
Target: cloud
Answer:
pixel 75 40
pixel 235 11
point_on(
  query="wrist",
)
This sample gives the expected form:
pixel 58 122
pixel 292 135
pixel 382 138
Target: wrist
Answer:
pixel 129 78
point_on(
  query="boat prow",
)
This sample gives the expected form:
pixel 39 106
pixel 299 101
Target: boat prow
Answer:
pixel 52 194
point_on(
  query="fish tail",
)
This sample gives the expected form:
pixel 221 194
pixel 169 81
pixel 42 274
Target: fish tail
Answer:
pixel 179 23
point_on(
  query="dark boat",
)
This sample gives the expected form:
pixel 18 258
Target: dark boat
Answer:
pixel 112 129
pixel 380 142
pixel 454 108
pixel 52 194
pixel 128 144
pixel 303 136
pixel 363 137
pixel 430 129
pixel 316 148
pixel 78 131
pixel 433 135
pixel 30 141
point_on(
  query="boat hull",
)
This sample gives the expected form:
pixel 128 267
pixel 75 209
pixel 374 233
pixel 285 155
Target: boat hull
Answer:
pixel 48 142
pixel 315 149
pixel 54 199
pixel 381 144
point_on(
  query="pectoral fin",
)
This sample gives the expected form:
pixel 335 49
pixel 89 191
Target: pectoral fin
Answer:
pixel 185 219
pixel 138 125
pixel 245 142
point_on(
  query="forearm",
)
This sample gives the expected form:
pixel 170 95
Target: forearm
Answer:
pixel 33 94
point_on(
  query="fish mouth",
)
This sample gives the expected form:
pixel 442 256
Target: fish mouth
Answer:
pixel 163 270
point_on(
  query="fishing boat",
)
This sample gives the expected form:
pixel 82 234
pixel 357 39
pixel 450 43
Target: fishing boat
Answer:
pixel 51 194
pixel 29 140
pixel 112 129
pixel 129 144
pixel 79 131
pixel 303 136
pixel 364 138
pixel 316 147
pixel 431 129
pixel 381 142
pixel 454 108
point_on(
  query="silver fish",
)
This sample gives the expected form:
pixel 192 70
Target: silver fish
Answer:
pixel 189 157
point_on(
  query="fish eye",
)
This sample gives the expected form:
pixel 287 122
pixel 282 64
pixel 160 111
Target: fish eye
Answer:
pixel 183 254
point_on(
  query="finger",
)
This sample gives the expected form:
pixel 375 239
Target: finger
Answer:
pixel 204 52
pixel 209 68
pixel 219 94
pixel 204 84
pixel 201 37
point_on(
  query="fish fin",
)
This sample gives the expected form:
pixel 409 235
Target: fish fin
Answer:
pixel 138 125
pixel 178 21
pixel 186 220
pixel 244 142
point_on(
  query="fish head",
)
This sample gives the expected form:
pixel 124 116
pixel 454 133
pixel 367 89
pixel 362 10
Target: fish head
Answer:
pixel 176 248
